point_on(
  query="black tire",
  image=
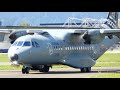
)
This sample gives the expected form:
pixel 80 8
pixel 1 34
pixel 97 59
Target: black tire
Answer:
pixel 23 71
pixel 27 70
pixel 44 69
pixel 88 69
pixel 83 70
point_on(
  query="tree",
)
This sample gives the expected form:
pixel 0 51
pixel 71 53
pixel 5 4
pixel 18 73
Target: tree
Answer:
pixel 24 24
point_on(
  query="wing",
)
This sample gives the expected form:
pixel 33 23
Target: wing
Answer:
pixel 5 31
pixel 16 33
pixel 110 31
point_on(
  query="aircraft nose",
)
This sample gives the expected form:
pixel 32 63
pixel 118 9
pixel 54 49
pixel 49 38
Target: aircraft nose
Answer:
pixel 14 57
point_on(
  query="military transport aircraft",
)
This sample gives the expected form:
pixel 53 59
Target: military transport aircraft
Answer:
pixel 78 48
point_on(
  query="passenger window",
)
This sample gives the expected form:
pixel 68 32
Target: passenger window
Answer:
pixel 26 43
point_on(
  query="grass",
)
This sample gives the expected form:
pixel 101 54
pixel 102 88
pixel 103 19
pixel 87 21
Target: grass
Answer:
pixel 110 75
pixel 4 58
pixel 109 57
pixel 107 64
pixel 9 67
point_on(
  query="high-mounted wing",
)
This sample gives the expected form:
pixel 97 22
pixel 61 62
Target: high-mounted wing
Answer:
pixel 5 31
pixel 110 31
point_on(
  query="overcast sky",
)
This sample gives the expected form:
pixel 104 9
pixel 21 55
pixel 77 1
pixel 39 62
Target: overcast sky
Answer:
pixel 35 18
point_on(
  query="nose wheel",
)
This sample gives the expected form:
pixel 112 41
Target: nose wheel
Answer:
pixel 25 70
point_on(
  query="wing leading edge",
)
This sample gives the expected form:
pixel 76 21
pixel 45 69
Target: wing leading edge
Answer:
pixel 110 31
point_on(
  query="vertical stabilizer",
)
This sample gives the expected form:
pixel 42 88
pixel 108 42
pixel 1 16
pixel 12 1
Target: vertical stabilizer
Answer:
pixel 112 21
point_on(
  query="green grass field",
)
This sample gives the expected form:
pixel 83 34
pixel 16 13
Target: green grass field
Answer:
pixel 109 57
pixel 4 58
pixel 9 67
pixel 107 64
pixel 109 75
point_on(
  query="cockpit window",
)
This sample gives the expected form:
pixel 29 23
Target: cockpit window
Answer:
pixel 15 43
pixel 26 43
pixel 20 43
pixel 35 44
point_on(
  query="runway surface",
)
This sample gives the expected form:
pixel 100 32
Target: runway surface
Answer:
pixel 58 73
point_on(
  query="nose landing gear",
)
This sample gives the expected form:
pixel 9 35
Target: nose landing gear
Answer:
pixel 25 70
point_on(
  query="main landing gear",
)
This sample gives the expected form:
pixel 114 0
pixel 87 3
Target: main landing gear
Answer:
pixel 86 69
pixel 44 68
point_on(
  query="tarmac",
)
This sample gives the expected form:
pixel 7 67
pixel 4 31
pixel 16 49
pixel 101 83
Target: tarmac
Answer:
pixel 59 73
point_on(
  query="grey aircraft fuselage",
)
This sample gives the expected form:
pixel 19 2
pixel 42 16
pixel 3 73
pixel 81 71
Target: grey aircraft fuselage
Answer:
pixel 57 48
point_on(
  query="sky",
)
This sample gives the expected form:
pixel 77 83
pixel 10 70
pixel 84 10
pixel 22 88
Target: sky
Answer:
pixel 35 18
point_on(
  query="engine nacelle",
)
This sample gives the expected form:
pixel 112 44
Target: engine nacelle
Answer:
pixel 95 37
pixel 16 34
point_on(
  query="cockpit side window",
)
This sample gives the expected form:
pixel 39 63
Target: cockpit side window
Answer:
pixel 35 44
pixel 27 43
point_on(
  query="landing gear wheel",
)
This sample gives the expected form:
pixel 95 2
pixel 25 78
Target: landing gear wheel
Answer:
pixel 25 70
pixel 88 69
pixel 83 69
pixel 44 69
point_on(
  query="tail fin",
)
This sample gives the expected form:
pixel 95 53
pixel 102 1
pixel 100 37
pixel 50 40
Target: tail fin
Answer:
pixel 112 21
